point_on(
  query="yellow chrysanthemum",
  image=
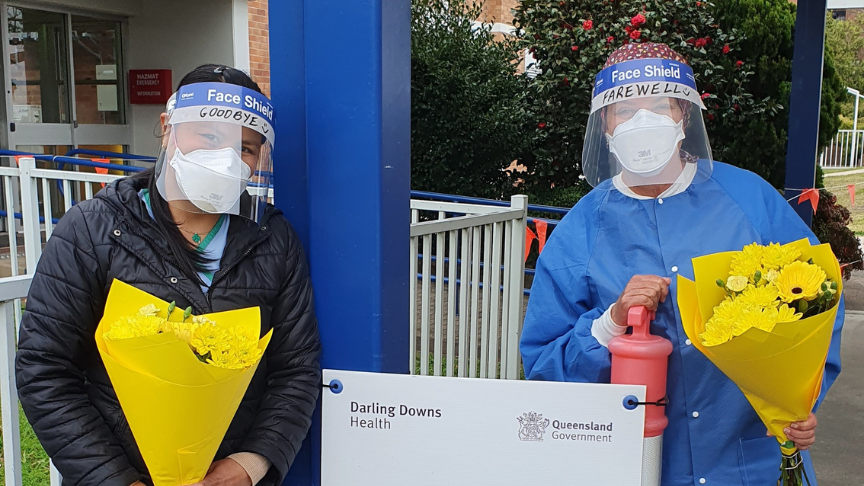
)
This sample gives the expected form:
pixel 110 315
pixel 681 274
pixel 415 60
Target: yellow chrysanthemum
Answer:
pixel 736 283
pixel 759 297
pixel 148 310
pixel 787 314
pixel 715 335
pixel 183 330
pixel 242 351
pixel 771 275
pixel 134 326
pixel 775 256
pixel 799 280
pixel 723 324
pixel 748 261
pixel 763 319
pixel 209 338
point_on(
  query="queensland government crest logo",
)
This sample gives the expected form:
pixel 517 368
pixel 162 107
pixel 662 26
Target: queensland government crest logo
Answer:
pixel 532 426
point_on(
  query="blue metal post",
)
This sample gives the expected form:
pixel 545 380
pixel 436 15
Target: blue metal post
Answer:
pixel 804 102
pixel 340 77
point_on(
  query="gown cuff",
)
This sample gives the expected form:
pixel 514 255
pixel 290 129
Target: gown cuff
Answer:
pixel 604 328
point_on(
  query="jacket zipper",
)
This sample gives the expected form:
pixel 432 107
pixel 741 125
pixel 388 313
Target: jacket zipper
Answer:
pixel 161 255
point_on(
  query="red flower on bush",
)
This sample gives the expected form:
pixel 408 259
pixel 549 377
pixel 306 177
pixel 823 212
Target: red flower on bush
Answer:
pixel 691 41
pixel 737 108
pixel 541 125
pixel 610 39
pixel 700 43
pixel 637 20
pixel 537 36
pixel 705 96
pixel 708 39
pixel 710 117
pixel 739 63
pixel 574 48
pixel 628 29
pixel 635 34
pixel 698 4
pixel 566 82
pixel 726 49
pixel 588 25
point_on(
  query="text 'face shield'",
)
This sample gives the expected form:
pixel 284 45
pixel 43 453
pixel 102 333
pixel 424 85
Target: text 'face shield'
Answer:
pixel 217 150
pixel 646 126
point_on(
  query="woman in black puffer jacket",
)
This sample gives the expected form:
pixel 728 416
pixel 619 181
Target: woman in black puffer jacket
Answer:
pixel 131 233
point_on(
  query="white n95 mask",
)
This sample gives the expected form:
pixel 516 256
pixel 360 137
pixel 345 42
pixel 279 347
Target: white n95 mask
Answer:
pixel 212 180
pixel 645 143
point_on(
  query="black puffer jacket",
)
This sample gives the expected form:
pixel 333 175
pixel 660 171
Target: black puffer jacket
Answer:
pixel 62 383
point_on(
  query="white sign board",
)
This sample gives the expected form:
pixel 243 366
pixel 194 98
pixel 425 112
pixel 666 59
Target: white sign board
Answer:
pixel 106 72
pixel 394 430
pixel 106 97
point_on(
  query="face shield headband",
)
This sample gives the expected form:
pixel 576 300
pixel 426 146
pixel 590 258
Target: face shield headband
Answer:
pixel 226 103
pixel 644 78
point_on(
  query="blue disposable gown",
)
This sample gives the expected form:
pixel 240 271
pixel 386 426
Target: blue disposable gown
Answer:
pixel 606 239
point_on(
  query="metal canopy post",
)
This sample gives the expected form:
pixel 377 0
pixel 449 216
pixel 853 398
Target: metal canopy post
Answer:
pixel 341 86
pixel 805 100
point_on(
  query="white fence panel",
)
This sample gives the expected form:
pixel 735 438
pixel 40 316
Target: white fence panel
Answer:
pixel 846 150
pixel 466 302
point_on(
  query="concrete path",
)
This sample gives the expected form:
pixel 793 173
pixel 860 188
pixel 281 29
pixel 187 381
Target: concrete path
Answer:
pixel 837 455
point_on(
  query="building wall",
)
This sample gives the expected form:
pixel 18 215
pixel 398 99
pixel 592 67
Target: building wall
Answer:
pixel 499 11
pixel 163 37
pixel 259 44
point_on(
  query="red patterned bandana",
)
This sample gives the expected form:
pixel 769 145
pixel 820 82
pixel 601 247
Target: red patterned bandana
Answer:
pixel 645 50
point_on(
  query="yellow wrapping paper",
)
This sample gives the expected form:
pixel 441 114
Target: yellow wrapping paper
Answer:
pixel 779 372
pixel 178 408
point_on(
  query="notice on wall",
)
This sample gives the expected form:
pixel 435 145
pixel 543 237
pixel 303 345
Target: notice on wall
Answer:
pixel 106 72
pixel 149 86
pixel 106 97
pixel 393 430
pixel 27 113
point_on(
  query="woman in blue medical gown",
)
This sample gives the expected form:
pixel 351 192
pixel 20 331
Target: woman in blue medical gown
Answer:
pixel 659 201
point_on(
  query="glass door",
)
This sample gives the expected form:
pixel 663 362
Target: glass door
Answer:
pixel 38 78
pixel 65 81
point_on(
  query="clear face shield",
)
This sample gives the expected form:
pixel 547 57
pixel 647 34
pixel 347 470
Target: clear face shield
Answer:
pixel 217 151
pixel 646 126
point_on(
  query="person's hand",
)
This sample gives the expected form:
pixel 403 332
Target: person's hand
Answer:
pixel 647 290
pixel 226 473
pixel 803 434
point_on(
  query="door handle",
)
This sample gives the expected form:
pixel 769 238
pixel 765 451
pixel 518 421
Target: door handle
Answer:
pixel 12 127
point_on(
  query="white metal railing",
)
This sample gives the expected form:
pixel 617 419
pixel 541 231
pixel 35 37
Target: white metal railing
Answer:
pixel 11 290
pixel 467 301
pixel 27 191
pixel 844 150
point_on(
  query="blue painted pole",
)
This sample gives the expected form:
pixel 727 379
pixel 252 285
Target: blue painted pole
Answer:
pixel 805 99
pixel 341 85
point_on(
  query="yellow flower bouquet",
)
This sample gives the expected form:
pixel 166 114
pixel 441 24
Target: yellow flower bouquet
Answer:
pixel 179 378
pixel 765 316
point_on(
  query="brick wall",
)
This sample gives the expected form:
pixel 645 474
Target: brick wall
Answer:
pixel 499 11
pixel 259 44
